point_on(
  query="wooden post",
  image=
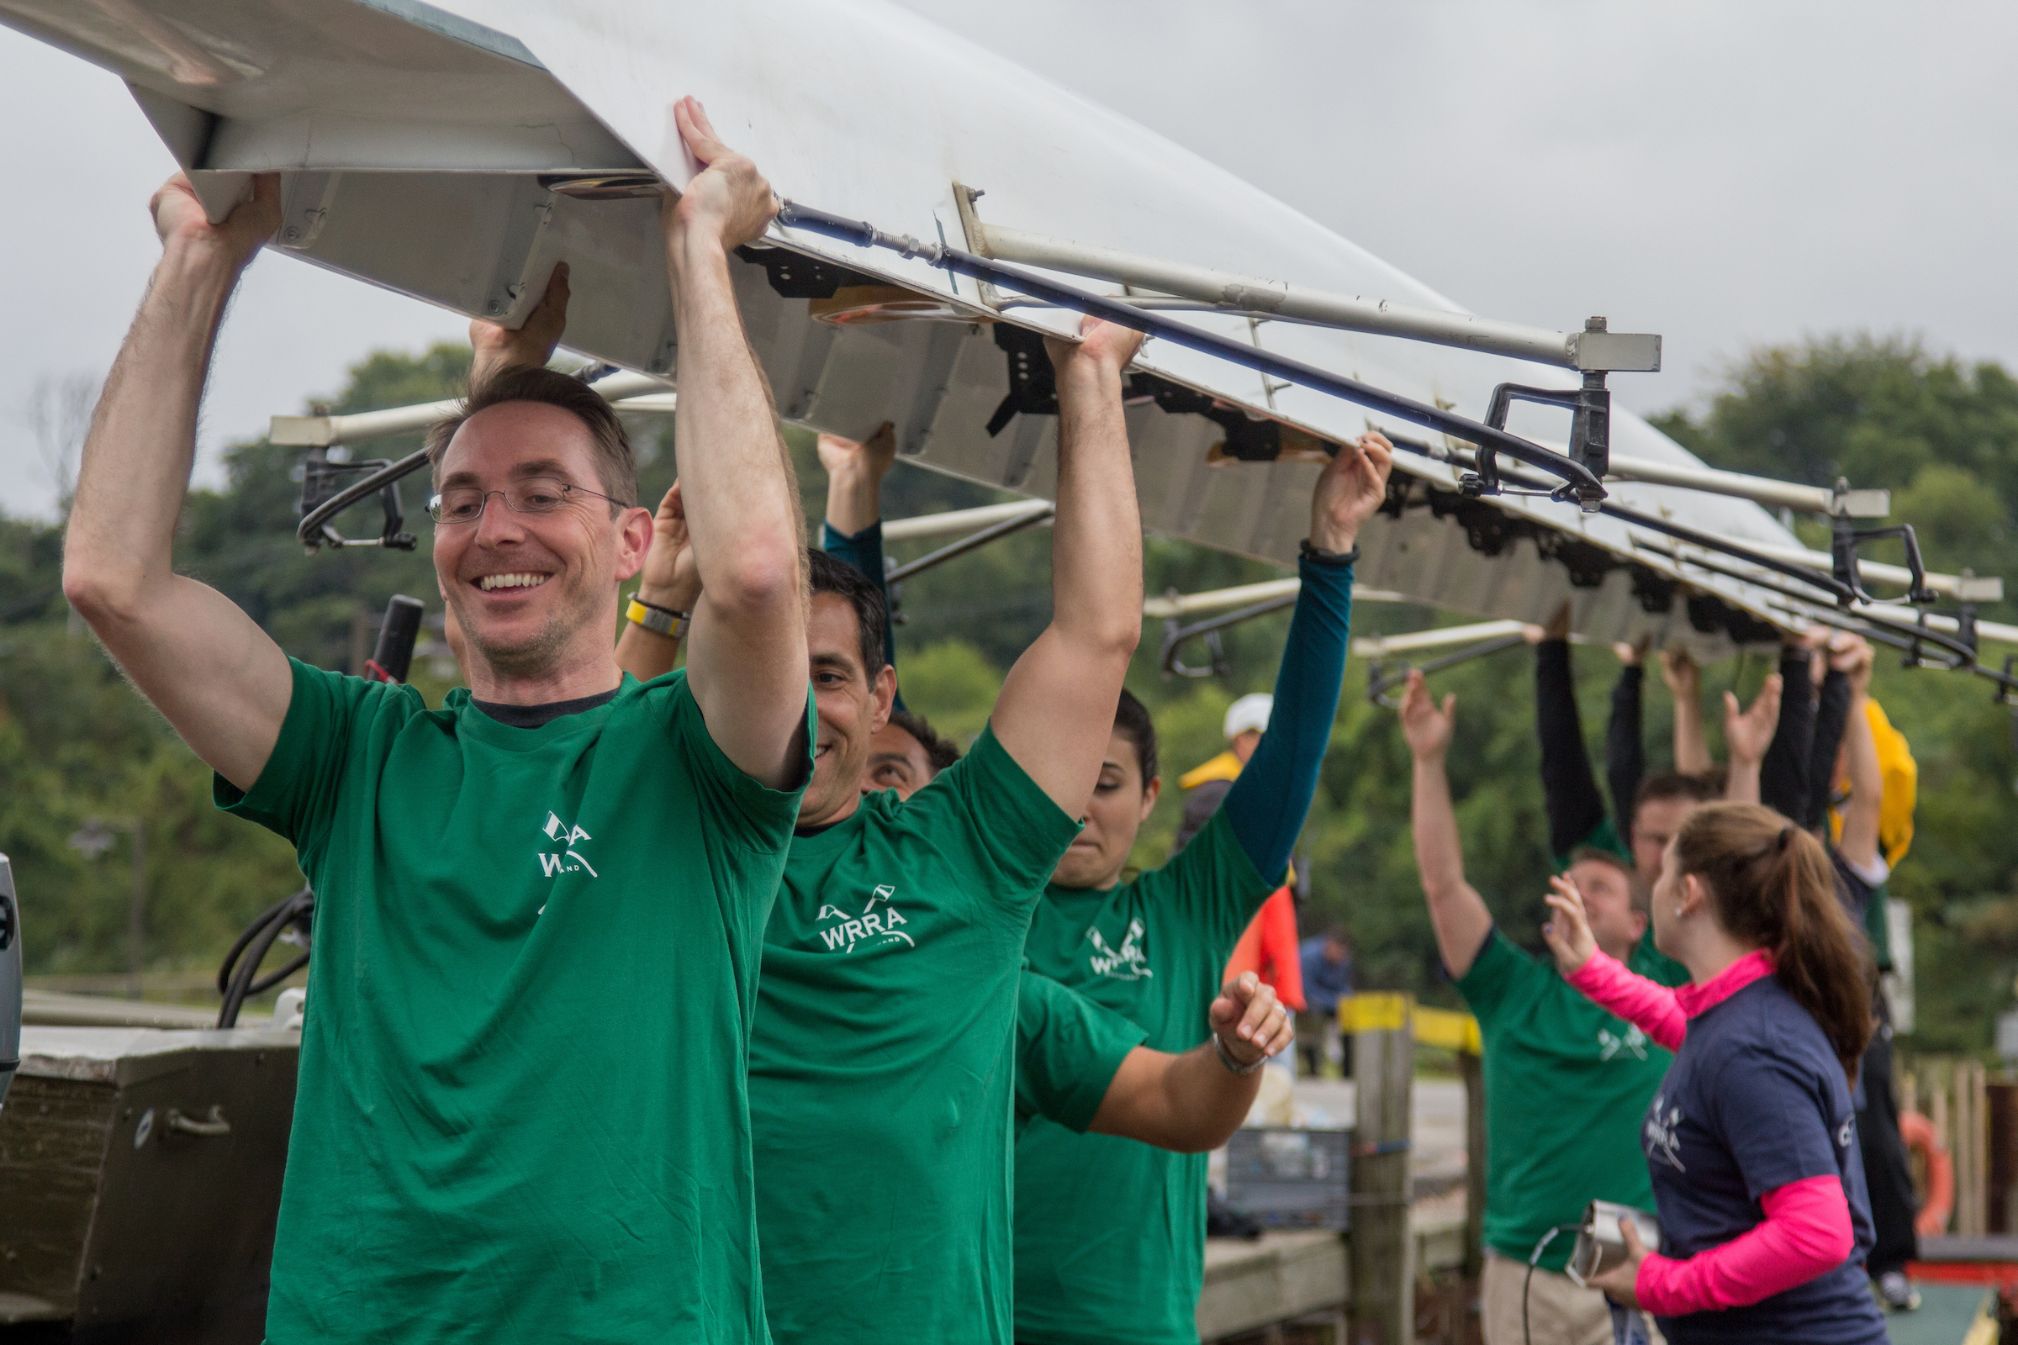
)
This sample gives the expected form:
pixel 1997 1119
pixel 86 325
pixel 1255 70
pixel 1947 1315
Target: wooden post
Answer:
pixel 2002 1099
pixel 1381 1251
pixel 1471 1069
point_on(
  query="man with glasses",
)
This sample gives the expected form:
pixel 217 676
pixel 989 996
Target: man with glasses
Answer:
pixel 522 1111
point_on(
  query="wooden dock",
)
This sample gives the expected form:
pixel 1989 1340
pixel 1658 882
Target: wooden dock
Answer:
pixel 1253 1289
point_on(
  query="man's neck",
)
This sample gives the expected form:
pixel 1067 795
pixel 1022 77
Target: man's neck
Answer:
pixel 850 802
pixel 574 681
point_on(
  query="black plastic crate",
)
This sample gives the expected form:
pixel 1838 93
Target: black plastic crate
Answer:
pixel 1291 1178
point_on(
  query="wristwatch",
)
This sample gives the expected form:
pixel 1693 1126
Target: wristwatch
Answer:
pixel 665 621
pixel 1234 1066
pixel 1311 551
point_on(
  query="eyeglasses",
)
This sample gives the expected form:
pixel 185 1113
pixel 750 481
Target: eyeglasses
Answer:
pixel 533 495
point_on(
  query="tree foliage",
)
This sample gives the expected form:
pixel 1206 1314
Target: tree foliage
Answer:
pixel 77 744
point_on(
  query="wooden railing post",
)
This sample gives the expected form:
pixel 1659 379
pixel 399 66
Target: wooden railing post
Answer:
pixel 1381 1251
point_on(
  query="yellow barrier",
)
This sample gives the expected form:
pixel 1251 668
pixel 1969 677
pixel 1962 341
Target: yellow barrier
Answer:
pixel 1386 1012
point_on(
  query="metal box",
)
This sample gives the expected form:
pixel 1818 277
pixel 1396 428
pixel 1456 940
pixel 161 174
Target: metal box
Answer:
pixel 1290 1178
pixel 140 1180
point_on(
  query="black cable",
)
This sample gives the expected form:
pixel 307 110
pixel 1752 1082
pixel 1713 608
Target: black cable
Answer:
pixel 238 977
pixel 1578 480
pixel 1527 1282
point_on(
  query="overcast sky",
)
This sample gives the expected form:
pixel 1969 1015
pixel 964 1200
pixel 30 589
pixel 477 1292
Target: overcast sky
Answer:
pixel 1725 174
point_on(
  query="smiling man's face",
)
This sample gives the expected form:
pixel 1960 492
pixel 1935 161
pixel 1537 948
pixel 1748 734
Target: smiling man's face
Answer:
pixel 850 705
pixel 525 588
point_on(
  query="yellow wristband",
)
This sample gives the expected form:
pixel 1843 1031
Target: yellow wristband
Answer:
pixel 659 620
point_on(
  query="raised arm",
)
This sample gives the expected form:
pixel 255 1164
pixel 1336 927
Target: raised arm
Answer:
pixel 1193 1102
pixel 853 529
pixel 668 586
pixel 1457 912
pixel 1747 735
pixel 1685 685
pixel 746 656
pixel 1625 742
pixel 1859 842
pixel 208 667
pixel 1056 711
pixel 1267 805
pixel 1783 776
pixel 1832 717
pixel 1569 790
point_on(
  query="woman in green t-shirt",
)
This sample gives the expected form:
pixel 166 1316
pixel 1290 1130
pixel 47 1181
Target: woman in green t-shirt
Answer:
pixel 1110 1236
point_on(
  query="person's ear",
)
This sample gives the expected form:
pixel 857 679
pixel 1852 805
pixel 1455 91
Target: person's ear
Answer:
pixel 1150 793
pixel 883 696
pixel 1695 895
pixel 634 538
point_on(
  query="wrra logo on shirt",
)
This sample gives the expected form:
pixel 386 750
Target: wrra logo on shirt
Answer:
pixel 873 928
pixel 568 859
pixel 1663 1133
pixel 1128 963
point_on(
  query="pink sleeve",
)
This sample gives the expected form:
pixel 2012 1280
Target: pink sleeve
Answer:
pixel 1806 1233
pixel 1610 984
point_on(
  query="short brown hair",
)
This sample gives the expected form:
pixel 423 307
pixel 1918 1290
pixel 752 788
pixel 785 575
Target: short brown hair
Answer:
pixel 939 750
pixel 616 468
pixel 1597 854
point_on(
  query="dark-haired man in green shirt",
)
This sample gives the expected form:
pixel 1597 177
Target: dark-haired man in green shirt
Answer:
pixel 882 1068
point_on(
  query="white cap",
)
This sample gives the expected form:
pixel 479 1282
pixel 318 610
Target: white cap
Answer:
pixel 1249 712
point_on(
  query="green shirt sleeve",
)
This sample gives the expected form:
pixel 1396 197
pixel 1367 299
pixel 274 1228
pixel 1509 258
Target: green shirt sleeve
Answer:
pixel 1214 886
pixel 1502 979
pixel 296 793
pixel 749 812
pixel 1068 1050
pixel 986 805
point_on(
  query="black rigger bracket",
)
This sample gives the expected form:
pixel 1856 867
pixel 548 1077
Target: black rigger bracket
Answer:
pixel 328 488
pixel 1590 408
pixel 1176 636
pixel 1844 539
pixel 1382 678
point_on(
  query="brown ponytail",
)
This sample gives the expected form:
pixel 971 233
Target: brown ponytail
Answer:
pixel 1771 884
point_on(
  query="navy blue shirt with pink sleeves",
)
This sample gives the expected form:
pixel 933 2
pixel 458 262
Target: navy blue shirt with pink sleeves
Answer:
pixel 1755 1100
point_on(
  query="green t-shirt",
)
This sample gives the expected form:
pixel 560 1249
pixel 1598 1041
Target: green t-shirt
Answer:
pixel 1068 1050
pixel 1110 1234
pixel 521 1113
pixel 1566 1087
pixel 882 1069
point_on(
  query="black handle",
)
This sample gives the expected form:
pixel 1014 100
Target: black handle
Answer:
pixel 396 636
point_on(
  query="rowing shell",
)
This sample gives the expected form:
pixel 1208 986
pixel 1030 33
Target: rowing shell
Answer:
pixel 457 152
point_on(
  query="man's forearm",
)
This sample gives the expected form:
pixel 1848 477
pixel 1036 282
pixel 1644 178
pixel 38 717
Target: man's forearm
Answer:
pixel 136 461
pixel 1439 857
pixel 1096 545
pixel 1863 814
pixel 1692 747
pixel 646 654
pixel 854 499
pixel 1741 782
pixel 1207 1101
pixel 742 500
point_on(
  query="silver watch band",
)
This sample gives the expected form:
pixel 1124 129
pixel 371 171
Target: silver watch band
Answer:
pixel 1234 1066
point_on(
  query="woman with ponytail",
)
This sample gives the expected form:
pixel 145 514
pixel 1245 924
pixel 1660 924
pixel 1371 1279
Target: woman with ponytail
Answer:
pixel 1751 1141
